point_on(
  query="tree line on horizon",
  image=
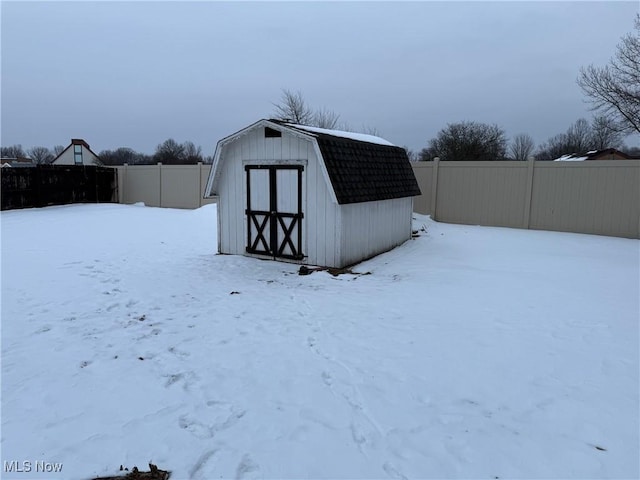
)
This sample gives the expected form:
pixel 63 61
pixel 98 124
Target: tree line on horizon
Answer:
pixel 612 90
pixel 169 152
pixel 468 140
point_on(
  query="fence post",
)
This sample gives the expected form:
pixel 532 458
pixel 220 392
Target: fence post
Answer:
pixel 199 192
pixel 122 192
pixel 95 182
pixel 160 182
pixel 115 196
pixel 434 188
pixel 528 193
pixel 37 181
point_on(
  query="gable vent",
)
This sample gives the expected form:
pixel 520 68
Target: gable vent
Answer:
pixel 271 133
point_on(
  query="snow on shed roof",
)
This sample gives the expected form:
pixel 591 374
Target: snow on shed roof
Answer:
pixel 361 137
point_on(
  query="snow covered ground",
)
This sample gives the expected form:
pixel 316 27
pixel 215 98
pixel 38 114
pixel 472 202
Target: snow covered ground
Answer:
pixel 469 352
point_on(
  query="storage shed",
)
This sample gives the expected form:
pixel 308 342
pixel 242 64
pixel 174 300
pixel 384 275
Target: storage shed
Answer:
pixel 310 195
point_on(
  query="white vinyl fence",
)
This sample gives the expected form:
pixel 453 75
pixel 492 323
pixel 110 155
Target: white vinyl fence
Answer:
pixel 174 186
pixel 600 197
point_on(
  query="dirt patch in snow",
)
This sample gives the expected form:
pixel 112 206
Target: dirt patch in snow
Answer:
pixel 154 473
pixel 304 270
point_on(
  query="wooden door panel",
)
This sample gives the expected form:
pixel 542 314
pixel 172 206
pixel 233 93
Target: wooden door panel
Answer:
pixel 274 210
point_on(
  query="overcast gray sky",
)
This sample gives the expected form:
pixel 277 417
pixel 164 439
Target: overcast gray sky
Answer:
pixel 136 73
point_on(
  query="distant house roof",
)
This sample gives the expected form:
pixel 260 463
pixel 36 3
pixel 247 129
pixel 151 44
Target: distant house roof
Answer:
pixel 362 168
pixel 76 141
pixel 19 162
pixel 605 154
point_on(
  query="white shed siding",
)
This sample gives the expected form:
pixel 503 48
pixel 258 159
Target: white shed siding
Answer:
pixel 322 217
pixel 237 217
pixel 319 233
pixel 231 202
pixel 370 228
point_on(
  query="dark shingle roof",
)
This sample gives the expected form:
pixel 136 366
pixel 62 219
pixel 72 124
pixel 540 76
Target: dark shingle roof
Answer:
pixel 363 172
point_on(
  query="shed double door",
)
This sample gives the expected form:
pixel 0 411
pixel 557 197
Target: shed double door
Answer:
pixel 274 210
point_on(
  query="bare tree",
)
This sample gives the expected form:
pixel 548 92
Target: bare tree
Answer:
pixel 325 118
pixel 604 134
pixel 578 137
pixel 192 154
pixel 614 89
pixel 369 130
pixel 411 154
pixel 123 155
pixel 582 137
pixel 293 108
pixel 553 148
pixel 633 151
pixel 469 141
pixel 13 151
pixel 521 147
pixel 345 127
pixel 57 150
pixel 426 155
pixel 40 155
pixel 169 152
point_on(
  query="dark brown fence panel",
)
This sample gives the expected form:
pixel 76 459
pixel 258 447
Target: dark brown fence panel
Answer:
pixel 18 190
pixel 46 185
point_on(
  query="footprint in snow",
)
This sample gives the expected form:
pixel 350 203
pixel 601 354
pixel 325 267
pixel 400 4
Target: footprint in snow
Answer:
pixel 201 462
pixel 178 353
pixel 202 430
pixel 358 437
pixel 246 465
pixel 197 429
pixel 173 379
pixel 392 471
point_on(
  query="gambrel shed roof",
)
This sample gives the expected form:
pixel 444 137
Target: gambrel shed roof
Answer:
pixel 361 168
